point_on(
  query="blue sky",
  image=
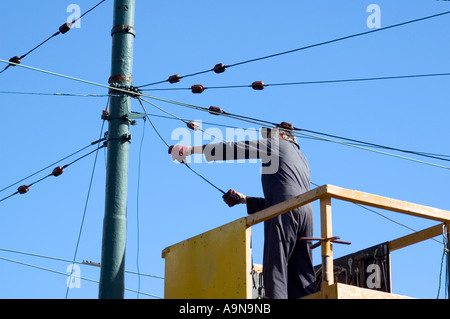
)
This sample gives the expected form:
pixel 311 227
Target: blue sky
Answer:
pixel 179 37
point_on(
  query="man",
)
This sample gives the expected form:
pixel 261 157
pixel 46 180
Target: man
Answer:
pixel 288 270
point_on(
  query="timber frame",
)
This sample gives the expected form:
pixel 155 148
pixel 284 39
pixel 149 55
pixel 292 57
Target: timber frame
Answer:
pixel 217 264
pixel 330 289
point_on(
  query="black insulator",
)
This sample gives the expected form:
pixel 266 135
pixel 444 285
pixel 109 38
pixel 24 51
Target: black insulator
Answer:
pixel 215 110
pixel 58 171
pixel 174 78
pixel 23 189
pixel 65 27
pixel 219 68
pixel 197 88
pixel 15 59
pixel 258 85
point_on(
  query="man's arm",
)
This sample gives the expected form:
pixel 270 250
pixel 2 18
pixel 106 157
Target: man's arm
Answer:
pixel 255 204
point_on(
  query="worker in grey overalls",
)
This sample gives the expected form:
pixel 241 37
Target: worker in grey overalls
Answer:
pixel 288 270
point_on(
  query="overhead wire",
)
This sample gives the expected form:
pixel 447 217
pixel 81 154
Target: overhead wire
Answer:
pixel 71 261
pixel 395 77
pixel 167 144
pixel 64 28
pixel 51 165
pixel 244 118
pixel 137 206
pixel 359 205
pixel 53 94
pixel 88 195
pixel 56 172
pixel 223 67
pixel 445 253
pixel 252 60
pixel 71 275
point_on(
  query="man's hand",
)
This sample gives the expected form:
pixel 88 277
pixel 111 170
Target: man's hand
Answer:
pixel 179 152
pixel 232 198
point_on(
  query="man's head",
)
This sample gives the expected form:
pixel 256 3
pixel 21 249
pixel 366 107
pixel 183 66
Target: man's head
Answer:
pixel 283 130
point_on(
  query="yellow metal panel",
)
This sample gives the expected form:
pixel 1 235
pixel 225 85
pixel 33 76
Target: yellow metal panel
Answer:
pixel 213 265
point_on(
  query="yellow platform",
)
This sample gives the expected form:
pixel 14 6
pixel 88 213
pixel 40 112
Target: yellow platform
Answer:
pixel 217 263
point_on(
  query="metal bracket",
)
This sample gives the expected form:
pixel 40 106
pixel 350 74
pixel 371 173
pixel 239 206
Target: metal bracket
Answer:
pixel 123 28
pixel 332 239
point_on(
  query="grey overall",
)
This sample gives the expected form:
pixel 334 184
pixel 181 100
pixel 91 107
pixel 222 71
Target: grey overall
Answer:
pixel 288 270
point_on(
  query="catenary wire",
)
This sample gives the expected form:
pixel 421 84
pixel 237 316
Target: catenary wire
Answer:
pixel 48 166
pixel 63 29
pixel 70 261
pixel 137 206
pixel 88 195
pixel 51 174
pixel 396 77
pixel 65 274
pixel 167 144
pixel 310 46
pixel 53 94
pixel 359 205
pixel 247 119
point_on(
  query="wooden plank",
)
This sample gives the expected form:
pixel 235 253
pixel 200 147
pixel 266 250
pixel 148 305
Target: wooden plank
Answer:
pixel 388 203
pixel 344 291
pixel 415 237
pixel 327 250
pixel 286 206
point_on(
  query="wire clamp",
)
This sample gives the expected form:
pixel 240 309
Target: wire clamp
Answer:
pixel 123 28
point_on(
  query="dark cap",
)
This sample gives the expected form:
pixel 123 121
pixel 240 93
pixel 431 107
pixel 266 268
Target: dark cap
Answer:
pixel 288 128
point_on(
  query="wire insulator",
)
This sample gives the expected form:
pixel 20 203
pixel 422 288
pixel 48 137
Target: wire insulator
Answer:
pixel 197 88
pixel 174 78
pixel 258 85
pixel 58 171
pixel 105 114
pixel 65 27
pixel 23 189
pixel 215 110
pixel 193 126
pixel 219 68
pixel 15 59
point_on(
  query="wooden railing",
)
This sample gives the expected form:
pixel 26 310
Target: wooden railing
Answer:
pixel 325 193
pixel 217 263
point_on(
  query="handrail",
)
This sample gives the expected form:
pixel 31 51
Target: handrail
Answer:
pixel 326 192
pixel 351 196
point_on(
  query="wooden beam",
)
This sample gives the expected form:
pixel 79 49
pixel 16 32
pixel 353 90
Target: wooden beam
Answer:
pixel 286 206
pixel 415 237
pixel 388 203
pixel 327 246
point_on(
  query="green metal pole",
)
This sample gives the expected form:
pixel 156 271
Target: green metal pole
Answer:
pixel 112 281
